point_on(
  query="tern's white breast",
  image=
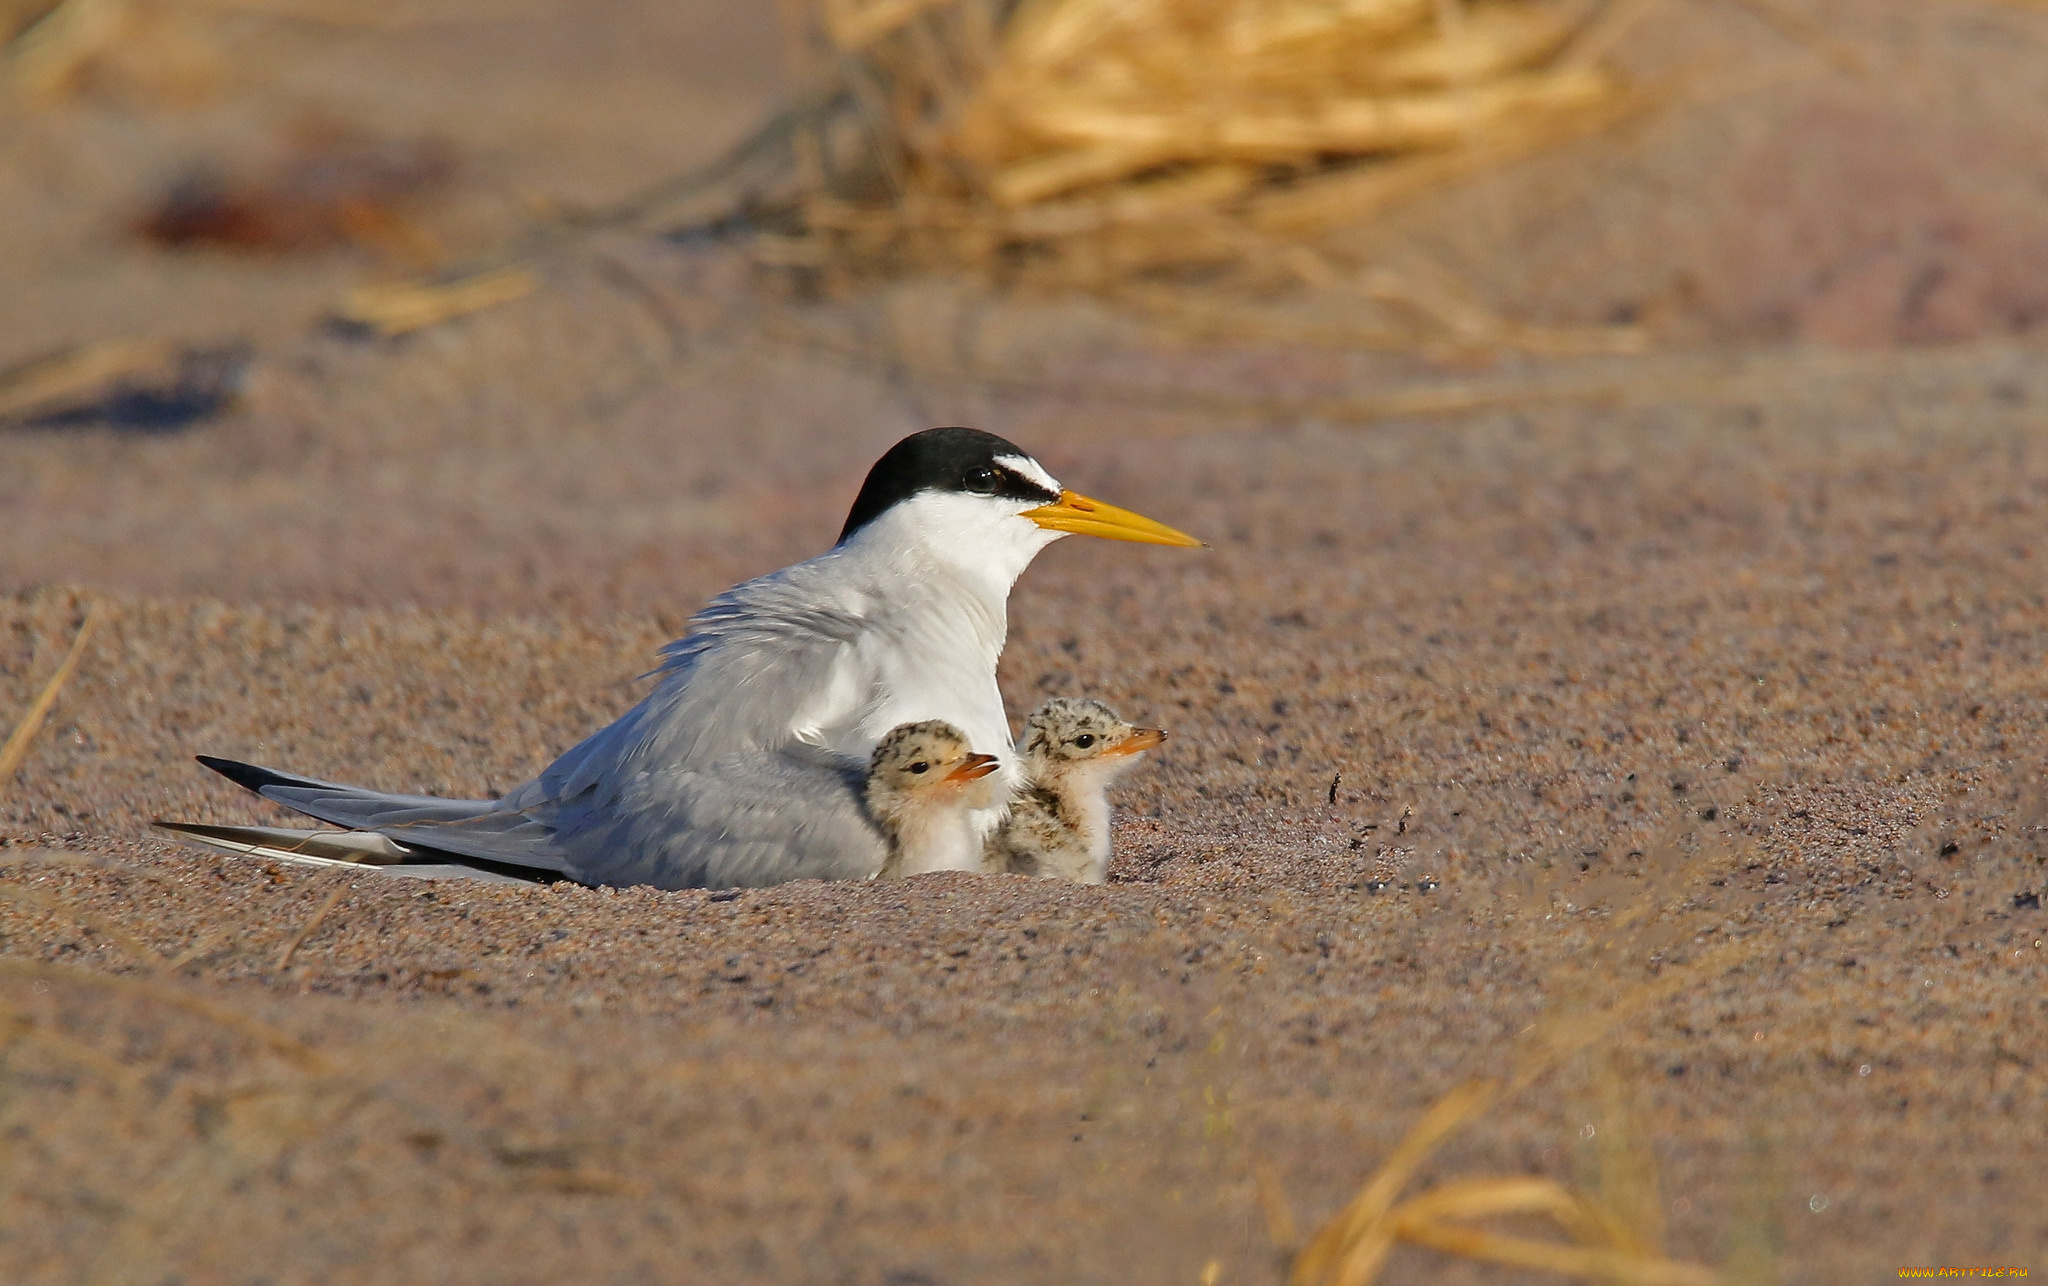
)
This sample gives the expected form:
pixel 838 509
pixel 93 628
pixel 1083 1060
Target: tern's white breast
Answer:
pixel 921 655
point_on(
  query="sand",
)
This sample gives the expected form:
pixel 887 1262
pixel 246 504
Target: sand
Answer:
pixel 1750 637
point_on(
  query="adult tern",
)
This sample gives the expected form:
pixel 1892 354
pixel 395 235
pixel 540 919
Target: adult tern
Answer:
pixel 705 781
pixel 909 813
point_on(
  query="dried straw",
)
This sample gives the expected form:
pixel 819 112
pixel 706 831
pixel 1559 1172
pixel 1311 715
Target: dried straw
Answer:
pixel 85 369
pixel 1612 1240
pixel 1616 1234
pixel 399 308
pixel 1093 139
pixel 297 940
pixel 16 750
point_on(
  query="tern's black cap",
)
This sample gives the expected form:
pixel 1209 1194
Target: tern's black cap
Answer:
pixel 943 460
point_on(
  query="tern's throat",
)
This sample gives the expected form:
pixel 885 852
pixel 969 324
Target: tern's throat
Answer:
pixel 969 547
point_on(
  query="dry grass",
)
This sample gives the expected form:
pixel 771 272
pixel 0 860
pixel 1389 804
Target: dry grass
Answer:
pixel 298 939
pixel 85 371
pixel 1615 1229
pixel 16 750
pixel 400 308
pixel 1083 143
pixel 1113 137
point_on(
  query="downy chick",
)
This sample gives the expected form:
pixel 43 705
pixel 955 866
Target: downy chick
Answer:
pixel 1059 821
pixel 924 784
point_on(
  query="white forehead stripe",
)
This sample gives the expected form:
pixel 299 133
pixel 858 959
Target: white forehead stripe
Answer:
pixel 1032 469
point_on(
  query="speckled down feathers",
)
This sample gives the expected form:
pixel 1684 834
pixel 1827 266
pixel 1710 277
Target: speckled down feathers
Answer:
pixel 1058 827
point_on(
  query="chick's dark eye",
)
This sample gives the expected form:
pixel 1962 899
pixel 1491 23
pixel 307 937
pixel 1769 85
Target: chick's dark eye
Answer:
pixel 983 481
pixel 920 766
pixel 1085 740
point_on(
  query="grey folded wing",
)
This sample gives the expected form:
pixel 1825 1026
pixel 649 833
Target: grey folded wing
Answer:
pixel 746 820
pixel 754 660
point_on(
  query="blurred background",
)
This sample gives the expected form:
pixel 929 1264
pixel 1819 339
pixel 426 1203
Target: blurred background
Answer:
pixel 394 291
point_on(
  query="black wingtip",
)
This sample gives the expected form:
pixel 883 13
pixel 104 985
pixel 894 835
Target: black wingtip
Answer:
pixel 247 776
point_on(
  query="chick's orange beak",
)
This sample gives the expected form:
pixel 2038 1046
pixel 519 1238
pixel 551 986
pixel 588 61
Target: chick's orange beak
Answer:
pixel 974 768
pixel 1076 513
pixel 1140 741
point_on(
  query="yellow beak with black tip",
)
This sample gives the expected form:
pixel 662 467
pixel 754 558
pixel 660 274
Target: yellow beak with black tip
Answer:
pixel 1076 513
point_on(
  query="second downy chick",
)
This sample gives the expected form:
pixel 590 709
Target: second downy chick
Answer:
pixel 924 783
pixel 1059 820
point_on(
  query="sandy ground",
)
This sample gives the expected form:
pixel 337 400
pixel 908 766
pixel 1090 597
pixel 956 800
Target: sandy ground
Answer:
pixel 1749 638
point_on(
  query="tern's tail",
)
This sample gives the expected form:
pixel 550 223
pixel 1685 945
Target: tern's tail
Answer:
pixel 358 849
pixel 478 830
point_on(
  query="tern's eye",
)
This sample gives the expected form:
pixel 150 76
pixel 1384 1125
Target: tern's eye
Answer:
pixel 920 766
pixel 983 481
pixel 1085 740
